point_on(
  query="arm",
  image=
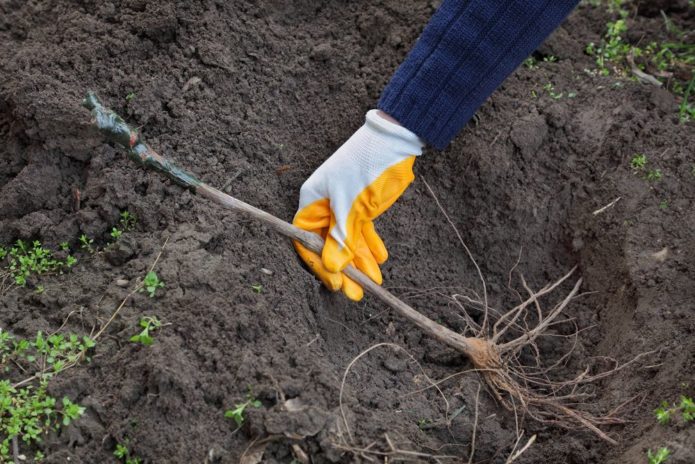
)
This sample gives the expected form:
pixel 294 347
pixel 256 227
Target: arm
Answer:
pixel 465 52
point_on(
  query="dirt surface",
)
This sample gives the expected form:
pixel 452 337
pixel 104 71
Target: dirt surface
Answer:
pixel 252 96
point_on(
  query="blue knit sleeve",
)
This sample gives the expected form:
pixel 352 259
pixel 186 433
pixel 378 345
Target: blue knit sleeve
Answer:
pixel 465 52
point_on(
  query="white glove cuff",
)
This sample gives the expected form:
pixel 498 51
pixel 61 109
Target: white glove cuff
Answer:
pixel 402 139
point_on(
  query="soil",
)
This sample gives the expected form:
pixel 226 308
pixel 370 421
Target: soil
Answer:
pixel 252 96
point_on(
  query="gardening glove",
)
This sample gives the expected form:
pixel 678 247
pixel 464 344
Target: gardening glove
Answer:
pixel 347 192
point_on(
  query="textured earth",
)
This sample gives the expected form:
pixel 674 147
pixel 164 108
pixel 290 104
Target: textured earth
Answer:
pixel 251 96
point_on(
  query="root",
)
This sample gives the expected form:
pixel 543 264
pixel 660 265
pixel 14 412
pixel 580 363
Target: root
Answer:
pixel 495 350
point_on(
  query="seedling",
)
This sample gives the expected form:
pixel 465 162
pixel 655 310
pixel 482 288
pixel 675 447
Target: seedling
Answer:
pixel 531 63
pixel 639 161
pixel 86 243
pixel 130 97
pixel 116 233
pixel 551 91
pixel 258 288
pixel 659 457
pixel 663 204
pixel 686 408
pixel 151 283
pixel 238 413
pixel 149 324
pixel 654 175
pixel 127 220
pixel 64 246
pixel 71 411
pixel 31 259
pixel 686 111
pixel 423 423
pixel 28 414
pixel 123 453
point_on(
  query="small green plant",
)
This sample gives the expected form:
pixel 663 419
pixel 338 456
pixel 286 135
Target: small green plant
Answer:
pixel 686 110
pixel 148 324
pixel 550 59
pixel 423 423
pixel 531 63
pixel 29 413
pixel 86 243
pixel 151 283
pixel 116 233
pixel 663 204
pixel 123 453
pixel 639 161
pixel 25 260
pixel 127 220
pixel 653 175
pixel 258 288
pixel 551 91
pixel 130 97
pixel 71 411
pixel 686 409
pixel 64 246
pixel 663 413
pixel 238 413
pixel 659 457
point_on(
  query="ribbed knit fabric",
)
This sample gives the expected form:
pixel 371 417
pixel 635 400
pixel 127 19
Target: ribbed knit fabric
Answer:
pixel 465 52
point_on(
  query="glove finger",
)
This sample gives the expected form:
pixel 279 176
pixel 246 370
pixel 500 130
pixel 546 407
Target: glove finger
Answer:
pixel 386 189
pixel 352 289
pixel 374 242
pixel 332 280
pixel 365 262
pixel 314 216
pixel 336 255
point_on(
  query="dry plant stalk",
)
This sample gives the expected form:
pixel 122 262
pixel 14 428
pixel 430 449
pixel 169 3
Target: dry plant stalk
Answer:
pixel 491 349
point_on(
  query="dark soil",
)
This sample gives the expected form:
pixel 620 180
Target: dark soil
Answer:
pixel 253 96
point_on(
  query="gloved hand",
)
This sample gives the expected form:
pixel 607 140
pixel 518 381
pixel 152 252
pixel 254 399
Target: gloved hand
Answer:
pixel 341 199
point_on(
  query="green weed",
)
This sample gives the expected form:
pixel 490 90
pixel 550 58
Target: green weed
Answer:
pixel 531 63
pixel 123 453
pixel 423 423
pixel 116 233
pixel 258 288
pixel 151 283
pixel 686 110
pixel 614 55
pixel 130 97
pixel 238 413
pixel 27 412
pixel 686 409
pixel 149 324
pixel 87 243
pixel 659 457
pixel 127 220
pixel 639 161
pixel 25 260
pixel 654 175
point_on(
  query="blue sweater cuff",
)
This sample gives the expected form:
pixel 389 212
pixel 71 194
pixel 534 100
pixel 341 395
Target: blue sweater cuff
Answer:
pixel 465 52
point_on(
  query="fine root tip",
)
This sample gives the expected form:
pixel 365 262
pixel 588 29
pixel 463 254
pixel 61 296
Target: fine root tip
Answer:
pixel 90 101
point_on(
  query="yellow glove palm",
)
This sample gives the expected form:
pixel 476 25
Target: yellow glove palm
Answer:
pixel 340 201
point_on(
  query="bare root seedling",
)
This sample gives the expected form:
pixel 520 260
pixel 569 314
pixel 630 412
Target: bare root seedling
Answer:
pixel 495 346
